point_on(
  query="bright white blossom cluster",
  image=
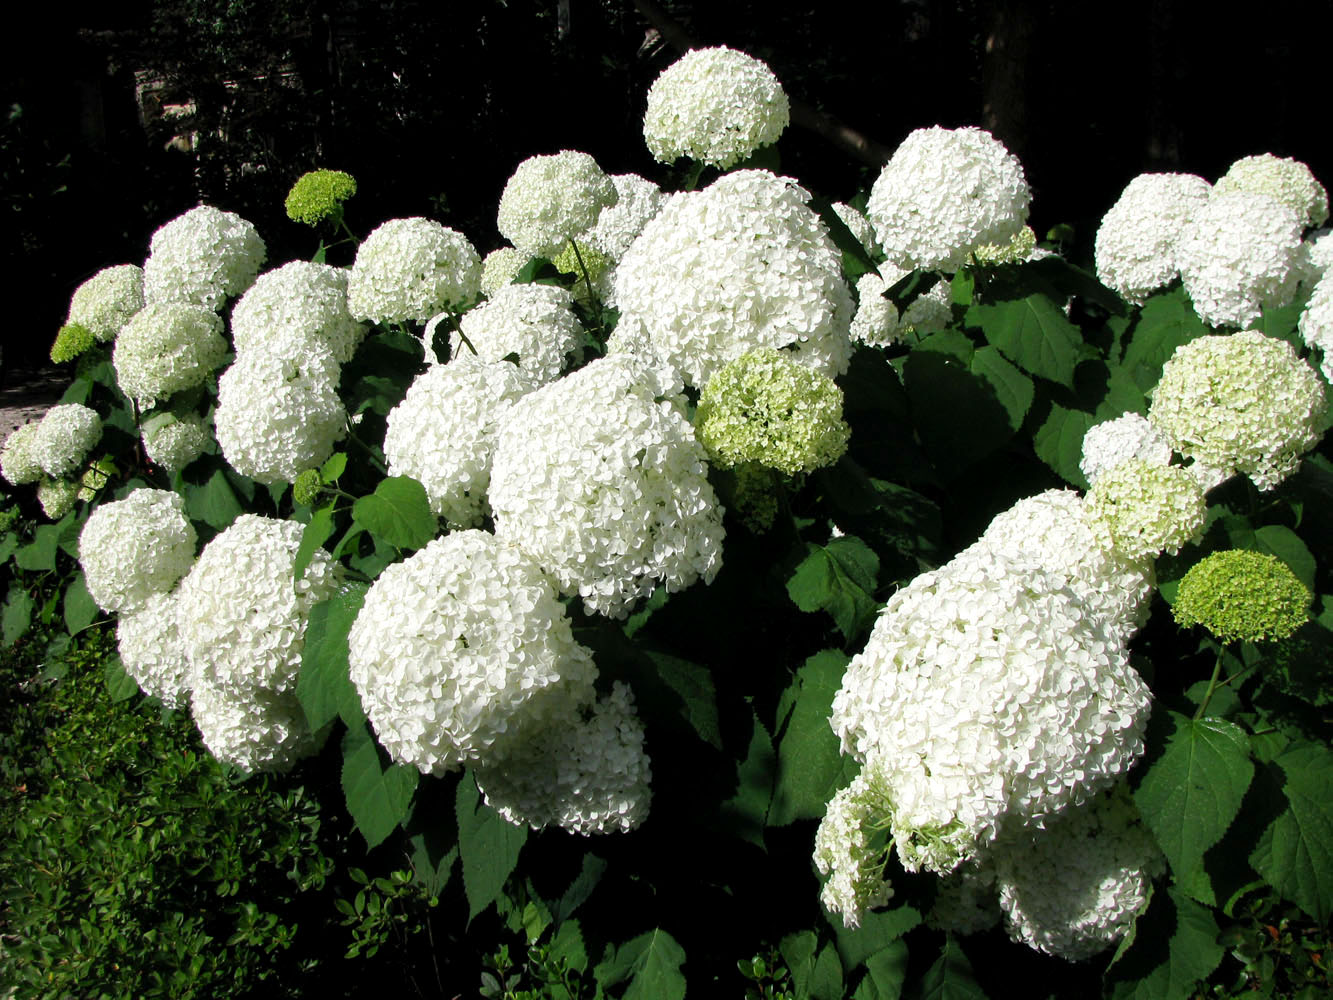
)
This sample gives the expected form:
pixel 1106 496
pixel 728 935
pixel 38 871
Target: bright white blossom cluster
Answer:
pixel 443 432
pixel 499 269
pixel 1137 239
pixel 411 269
pixel 638 201
pixel 135 548
pixel 599 478
pixel 63 438
pixel 1316 324
pixel 459 649
pixel 296 309
pixel 859 226
pixel 255 731
pixel 1243 403
pixel 57 497
pixel 18 462
pixel 1148 508
pixel 167 347
pixel 844 851
pixel 876 319
pixel 944 193
pixel 716 106
pixel 202 258
pixel 552 199
pixel 150 650
pixel 536 322
pixel 740 265
pixel 1240 252
pixel 1127 436
pixel 106 301
pixel 1283 179
pixel 930 311
pixel 174 441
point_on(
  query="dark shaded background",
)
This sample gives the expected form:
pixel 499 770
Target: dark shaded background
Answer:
pixel 432 104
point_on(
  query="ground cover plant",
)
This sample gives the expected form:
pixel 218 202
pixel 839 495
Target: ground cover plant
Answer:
pixel 721 587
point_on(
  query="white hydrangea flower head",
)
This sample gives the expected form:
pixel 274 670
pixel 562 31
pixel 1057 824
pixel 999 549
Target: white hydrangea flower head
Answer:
pixel 740 265
pixel 1074 888
pixel 443 432
pixel 499 269
pixel 165 348
pixel 536 322
pixel 945 192
pixel 299 307
pixel 410 269
pixel 1319 255
pixel 106 301
pixel 172 441
pixel 989 699
pixel 1241 252
pixel 1316 324
pixel 599 478
pixel 1138 236
pixel 552 199
pixel 1240 403
pixel 1057 533
pixel 134 548
pixel 276 417
pixel 966 900
pixel 1288 181
pixel 241 613
pixel 1149 509
pixel 254 730
pixel 588 776
pixel 638 202
pixel 860 227
pixel 929 312
pixel 855 880
pixel 716 106
pixel 18 460
pixel 460 649
pixel 151 652
pixel 1119 439
pixel 202 258
pixel 876 319
pixel 64 437
pixel 57 497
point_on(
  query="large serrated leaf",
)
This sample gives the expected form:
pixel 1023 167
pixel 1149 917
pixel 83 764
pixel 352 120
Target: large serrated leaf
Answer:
pixel 313 537
pixel 879 929
pixel 120 686
pixel 1165 323
pixel 1059 442
pixel 1295 853
pixel 1012 388
pixel 214 502
pixel 323 686
pixel 746 812
pixel 17 616
pixel 39 555
pixel 488 844
pixel 653 960
pixel 811 765
pixel 398 511
pixel 839 578
pixel 950 978
pixel 1175 946
pixel 693 685
pixel 80 610
pixel 377 791
pixel 1190 795
pixel 1033 333
pixel 957 413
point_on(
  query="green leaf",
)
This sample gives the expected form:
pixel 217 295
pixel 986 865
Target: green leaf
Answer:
pixel 567 944
pixel 331 470
pixel 79 607
pixel 950 978
pixel 886 972
pixel 1012 388
pixel 746 812
pixel 1165 323
pixel 839 578
pixel 693 685
pixel 488 844
pixel 879 929
pixel 1295 853
pixel 378 792
pixel 313 537
pixel 215 502
pixel 957 413
pixel 653 960
pixel 323 686
pixel 39 555
pixel 1190 795
pixel 17 615
pixel 399 512
pixel 811 765
pixel 1274 540
pixel 1175 946
pixel 1059 442
pixel 120 686
pixel 1033 333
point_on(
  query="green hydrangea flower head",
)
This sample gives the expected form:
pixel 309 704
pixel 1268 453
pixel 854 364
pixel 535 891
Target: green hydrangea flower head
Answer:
pixel 95 478
pixel 566 262
pixel 1015 251
pixel 1150 509
pixel 319 195
pixel 72 340
pixel 57 497
pixel 307 487
pixel 499 269
pixel 1242 595
pixel 767 407
pixel 755 502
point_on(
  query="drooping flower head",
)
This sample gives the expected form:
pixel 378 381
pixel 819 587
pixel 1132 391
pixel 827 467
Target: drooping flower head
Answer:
pixel 535 322
pixel 318 195
pixel 1287 180
pixel 18 461
pixel 106 301
pixel 551 199
pixel 134 548
pixel 297 308
pixel 71 341
pixel 1242 596
pixel 202 258
pixel 876 319
pixel 1240 403
pixel 768 408
pixel 1149 509
pixel 150 650
pixel 165 348
pixel 173 441
pixel 254 730
pixel 846 850
pixel 411 269
pixel 716 106
pixel 1138 236
pixel 944 193
pixel 63 439
pixel 1127 436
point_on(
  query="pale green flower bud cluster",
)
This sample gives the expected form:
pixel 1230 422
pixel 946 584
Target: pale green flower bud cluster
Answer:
pixel 1242 596
pixel 846 850
pixel 319 195
pixel 499 269
pixel 1017 250
pixel 57 497
pixel 1149 509
pixel 71 341
pixel 1283 179
pixel 768 408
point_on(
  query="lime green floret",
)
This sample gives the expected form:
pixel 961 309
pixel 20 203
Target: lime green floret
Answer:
pixel 768 408
pixel 71 341
pixel 567 262
pixel 317 195
pixel 1243 595
pixel 307 487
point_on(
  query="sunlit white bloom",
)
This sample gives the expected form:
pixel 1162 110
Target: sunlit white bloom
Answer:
pixel 855 870
pixel 106 301
pixel 254 730
pixel 929 312
pixel 639 200
pixel 1137 238
pixel 1316 324
pixel 876 319
pixel 411 269
pixel 296 308
pixel 535 322
pixel 1127 436
pixel 57 497
pixel 165 348
pixel 150 650
pixel 63 439
pixel 18 460
pixel 499 268
pixel 860 227
pixel 134 548
pixel 1287 180
pixel 1149 509
pixel 172 441
pixel 202 258
pixel 552 199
